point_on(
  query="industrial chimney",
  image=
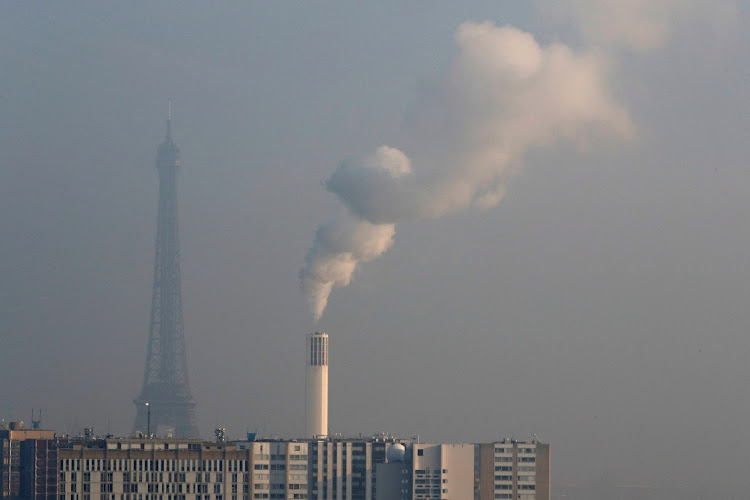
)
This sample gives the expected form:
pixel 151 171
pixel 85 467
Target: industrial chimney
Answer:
pixel 316 391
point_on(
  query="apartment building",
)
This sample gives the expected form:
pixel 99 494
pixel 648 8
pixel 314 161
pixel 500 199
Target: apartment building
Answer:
pixel 510 469
pixel 427 472
pixel 17 449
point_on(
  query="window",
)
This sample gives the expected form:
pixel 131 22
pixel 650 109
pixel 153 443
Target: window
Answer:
pixel 420 453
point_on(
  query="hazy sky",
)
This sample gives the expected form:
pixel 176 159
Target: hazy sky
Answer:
pixel 602 304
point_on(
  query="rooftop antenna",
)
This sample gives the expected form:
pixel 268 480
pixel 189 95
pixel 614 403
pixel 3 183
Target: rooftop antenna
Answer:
pixel 36 424
pixel 221 434
pixel 169 117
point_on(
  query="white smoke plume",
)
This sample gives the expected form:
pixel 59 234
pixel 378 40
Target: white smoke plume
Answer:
pixel 339 246
pixel 641 25
pixel 504 95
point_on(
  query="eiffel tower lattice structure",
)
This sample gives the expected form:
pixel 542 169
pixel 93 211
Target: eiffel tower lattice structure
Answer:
pixel 166 404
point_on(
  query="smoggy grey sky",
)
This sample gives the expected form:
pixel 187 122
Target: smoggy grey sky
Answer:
pixel 602 304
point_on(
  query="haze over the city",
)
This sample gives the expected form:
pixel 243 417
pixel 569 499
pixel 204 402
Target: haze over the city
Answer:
pixel 534 221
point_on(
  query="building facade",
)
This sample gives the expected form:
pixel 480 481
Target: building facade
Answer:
pixel 41 466
pixel 427 472
pixel 511 469
pixel 186 469
pixel 345 468
pixel 22 466
pixel 173 469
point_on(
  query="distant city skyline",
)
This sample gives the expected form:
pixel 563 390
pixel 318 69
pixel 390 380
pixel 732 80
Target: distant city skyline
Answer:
pixel 602 304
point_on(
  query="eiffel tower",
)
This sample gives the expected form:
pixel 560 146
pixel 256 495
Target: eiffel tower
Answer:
pixel 165 401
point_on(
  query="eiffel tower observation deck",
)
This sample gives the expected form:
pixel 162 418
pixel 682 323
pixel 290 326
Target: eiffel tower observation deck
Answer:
pixel 166 403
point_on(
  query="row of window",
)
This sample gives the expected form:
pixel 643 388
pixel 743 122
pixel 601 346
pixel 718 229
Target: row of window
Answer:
pixel 519 478
pixel 273 467
pixel 151 488
pixel 153 477
pixel 180 465
pixel 520 468
pixel 434 480
pixel 87 496
pixel 280 457
pixel 428 471
pixel 279 486
pixel 279 495
pixel 523 496
pixel 510 450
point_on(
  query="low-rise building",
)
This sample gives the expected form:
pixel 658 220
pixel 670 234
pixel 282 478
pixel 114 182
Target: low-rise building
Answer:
pixel 182 469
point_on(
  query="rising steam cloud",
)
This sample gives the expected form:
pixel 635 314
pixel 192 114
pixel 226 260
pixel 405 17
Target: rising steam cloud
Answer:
pixel 504 95
pixel 642 25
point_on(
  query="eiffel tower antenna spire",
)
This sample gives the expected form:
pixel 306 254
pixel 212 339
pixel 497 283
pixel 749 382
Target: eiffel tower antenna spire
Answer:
pixel 166 401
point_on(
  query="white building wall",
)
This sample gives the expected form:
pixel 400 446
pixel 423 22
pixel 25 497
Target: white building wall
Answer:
pixel 331 471
pixel 339 472
pixel 369 466
pixel 348 470
pixel 443 471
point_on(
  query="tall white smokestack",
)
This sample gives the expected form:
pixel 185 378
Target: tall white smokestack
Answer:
pixel 316 392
